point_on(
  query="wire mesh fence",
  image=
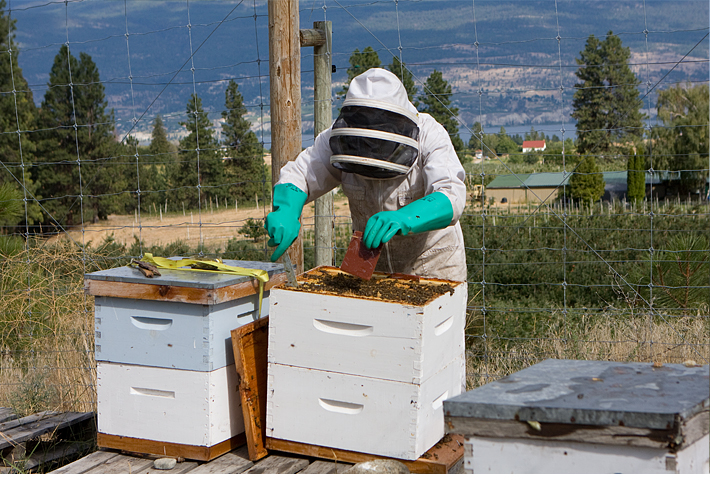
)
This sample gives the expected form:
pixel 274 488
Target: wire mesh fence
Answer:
pixel 133 127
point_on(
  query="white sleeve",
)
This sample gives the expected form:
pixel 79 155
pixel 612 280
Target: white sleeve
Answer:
pixel 442 168
pixel 311 171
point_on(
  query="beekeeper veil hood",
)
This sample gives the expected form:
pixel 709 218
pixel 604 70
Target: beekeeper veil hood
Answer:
pixel 377 130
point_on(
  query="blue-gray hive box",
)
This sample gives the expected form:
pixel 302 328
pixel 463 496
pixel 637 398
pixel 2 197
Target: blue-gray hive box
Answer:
pixel 179 320
pixel 568 416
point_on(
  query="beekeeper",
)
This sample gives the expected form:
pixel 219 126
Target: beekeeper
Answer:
pixel 398 168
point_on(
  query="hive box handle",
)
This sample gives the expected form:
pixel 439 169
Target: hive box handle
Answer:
pixel 443 326
pixel 343 328
pixel 439 401
pixel 151 323
pixel 341 407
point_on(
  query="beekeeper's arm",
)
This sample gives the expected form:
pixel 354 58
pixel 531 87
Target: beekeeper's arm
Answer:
pixel 445 197
pixel 303 180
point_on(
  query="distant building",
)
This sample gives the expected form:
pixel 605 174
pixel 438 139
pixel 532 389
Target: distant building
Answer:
pixel 534 146
pixel 479 154
pixel 534 187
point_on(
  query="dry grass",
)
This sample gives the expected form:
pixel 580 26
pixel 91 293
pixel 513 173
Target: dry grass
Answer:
pixel 601 337
pixel 46 331
pixel 211 227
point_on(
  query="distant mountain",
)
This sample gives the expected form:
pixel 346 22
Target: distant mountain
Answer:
pixel 511 76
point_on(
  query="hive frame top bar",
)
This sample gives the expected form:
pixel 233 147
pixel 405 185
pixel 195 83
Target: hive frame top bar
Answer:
pixel 591 393
pixel 187 279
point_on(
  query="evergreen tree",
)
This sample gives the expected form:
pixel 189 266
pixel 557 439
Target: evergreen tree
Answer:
pixel 244 166
pixel 635 178
pixel 200 160
pixel 359 63
pixel 437 103
pixel 606 104
pixel 534 134
pixel 586 184
pixel 682 144
pixel 405 76
pixel 17 111
pixel 88 150
pixel 505 145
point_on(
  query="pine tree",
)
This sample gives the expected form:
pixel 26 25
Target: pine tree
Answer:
pixel 88 151
pixel 244 166
pixel 359 63
pixel 405 76
pixel 606 104
pixel 586 184
pixel 200 160
pixel 682 143
pixel 17 111
pixel 437 103
pixel 635 178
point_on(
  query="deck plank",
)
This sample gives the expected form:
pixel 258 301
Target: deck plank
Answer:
pixel 121 464
pixel 179 469
pixel 278 465
pixel 29 430
pixel 229 463
pixel 326 468
pixel 7 414
pixel 85 463
pixel 56 452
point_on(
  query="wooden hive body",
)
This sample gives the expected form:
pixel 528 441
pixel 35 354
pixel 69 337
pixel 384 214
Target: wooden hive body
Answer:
pixel 191 336
pixel 196 408
pixel 573 416
pixel 363 375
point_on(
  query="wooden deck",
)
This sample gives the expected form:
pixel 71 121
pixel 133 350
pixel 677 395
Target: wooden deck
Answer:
pixel 235 462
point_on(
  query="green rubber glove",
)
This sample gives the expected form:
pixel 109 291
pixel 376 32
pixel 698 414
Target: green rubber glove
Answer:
pixel 283 223
pixel 428 213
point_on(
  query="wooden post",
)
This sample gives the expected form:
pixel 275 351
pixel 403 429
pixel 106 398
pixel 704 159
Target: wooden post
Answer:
pixel 285 82
pixel 323 111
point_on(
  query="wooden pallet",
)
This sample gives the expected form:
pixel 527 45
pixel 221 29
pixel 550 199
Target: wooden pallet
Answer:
pixel 446 457
pixel 31 441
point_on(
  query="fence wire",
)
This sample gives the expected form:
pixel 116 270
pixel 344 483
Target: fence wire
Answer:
pixel 548 275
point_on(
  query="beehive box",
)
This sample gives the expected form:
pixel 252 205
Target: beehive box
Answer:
pixel 166 376
pixel 199 409
pixel 568 416
pixel 180 320
pixel 363 373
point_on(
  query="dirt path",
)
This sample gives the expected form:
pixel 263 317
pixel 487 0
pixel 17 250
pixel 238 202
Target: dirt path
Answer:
pixel 215 227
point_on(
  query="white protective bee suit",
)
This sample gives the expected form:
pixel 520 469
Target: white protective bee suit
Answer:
pixel 436 253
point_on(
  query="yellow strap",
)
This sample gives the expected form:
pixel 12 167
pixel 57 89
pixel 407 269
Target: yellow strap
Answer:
pixel 209 266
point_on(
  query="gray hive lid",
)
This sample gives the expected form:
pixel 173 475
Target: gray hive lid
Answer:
pixel 590 393
pixel 187 279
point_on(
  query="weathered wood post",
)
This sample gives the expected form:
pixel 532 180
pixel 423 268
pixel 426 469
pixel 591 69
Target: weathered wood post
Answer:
pixel 320 38
pixel 285 83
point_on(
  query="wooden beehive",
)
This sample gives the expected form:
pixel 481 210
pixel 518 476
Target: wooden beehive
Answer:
pixel 570 416
pixel 165 362
pixel 361 373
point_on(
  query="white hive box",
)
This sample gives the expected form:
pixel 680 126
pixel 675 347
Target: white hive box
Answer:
pixel 588 417
pixel 192 408
pixel 363 374
pixel 166 376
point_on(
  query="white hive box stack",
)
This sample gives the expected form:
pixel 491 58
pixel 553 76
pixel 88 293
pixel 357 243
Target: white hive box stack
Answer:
pixel 575 416
pixel 166 380
pixel 363 374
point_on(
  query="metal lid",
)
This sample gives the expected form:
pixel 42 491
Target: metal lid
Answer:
pixel 590 393
pixel 188 279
